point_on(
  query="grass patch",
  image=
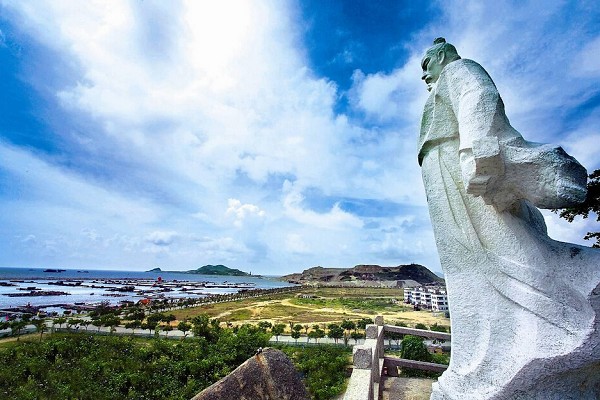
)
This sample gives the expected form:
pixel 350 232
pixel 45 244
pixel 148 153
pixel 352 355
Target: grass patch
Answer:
pixel 241 314
pixel 356 292
pixel 348 303
pixel 332 305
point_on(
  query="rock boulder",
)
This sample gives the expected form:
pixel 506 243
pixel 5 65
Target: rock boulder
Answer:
pixel 269 375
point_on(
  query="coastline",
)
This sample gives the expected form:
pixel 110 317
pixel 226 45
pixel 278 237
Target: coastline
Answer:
pixel 115 287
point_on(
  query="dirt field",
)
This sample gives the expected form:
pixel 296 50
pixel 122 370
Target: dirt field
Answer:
pixel 319 306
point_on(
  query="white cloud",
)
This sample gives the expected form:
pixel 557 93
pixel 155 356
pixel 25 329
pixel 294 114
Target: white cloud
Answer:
pixel 161 238
pixel 571 232
pixel 334 219
pixel 243 212
pixel 397 97
pixel 295 244
pixel 195 105
pixel 583 142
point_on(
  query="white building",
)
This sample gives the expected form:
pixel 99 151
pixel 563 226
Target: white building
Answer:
pixel 430 298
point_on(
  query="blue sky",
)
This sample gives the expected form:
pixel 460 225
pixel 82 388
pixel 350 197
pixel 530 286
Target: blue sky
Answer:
pixel 268 136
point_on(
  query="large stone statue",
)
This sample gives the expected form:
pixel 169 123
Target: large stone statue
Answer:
pixel 524 308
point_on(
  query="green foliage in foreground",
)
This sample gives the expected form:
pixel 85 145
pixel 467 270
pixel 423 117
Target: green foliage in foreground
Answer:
pixel 83 366
pixel 86 366
pixel 414 348
pixel 324 368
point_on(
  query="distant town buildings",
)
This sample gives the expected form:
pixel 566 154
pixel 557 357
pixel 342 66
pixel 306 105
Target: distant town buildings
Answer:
pixel 429 298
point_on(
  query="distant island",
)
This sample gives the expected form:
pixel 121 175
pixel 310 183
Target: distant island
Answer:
pixel 217 270
pixel 409 275
pixel 209 270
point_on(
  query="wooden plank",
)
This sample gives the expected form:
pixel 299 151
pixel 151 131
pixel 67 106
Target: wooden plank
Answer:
pixel 417 332
pixel 392 362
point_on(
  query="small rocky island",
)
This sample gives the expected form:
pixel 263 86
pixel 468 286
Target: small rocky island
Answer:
pixel 209 270
pixel 217 270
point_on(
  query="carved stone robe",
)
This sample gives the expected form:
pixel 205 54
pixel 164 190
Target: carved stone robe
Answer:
pixel 524 308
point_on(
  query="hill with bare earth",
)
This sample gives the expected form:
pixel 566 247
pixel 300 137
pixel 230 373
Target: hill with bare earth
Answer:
pixel 366 275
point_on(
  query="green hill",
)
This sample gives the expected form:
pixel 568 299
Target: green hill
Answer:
pixel 217 270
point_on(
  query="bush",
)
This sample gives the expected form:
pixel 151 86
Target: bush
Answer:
pixel 85 366
pixel 413 348
pixel 324 368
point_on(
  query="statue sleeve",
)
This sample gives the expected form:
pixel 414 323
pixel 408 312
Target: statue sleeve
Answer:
pixel 481 123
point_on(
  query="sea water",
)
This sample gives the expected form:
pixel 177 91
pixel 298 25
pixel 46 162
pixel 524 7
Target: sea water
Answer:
pixel 36 277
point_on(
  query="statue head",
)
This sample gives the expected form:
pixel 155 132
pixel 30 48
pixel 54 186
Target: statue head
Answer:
pixel 435 59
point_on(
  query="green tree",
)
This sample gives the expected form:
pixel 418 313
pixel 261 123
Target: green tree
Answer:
pixel 264 325
pixel 357 336
pixel 420 326
pixel 16 327
pixel 184 327
pixel 277 330
pixel 348 325
pixel 362 323
pixel 335 332
pixel 206 328
pixel 86 323
pixel 169 318
pixel 413 348
pixel 156 318
pixel 136 313
pixel 149 326
pixel 40 326
pixel 590 205
pixel 295 335
pixel 166 329
pixel 59 321
pixel 97 323
pixel 111 321
pixel 136 323
pixel 317 333
pixel 74 322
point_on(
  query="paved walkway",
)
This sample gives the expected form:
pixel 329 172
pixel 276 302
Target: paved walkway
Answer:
pixel 406 388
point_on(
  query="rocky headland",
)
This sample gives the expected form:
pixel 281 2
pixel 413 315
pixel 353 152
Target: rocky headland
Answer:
pixel 366 275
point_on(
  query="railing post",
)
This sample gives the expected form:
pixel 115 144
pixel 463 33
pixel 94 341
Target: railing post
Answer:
pixel 362 357
pixel 360 386
pixel 369 360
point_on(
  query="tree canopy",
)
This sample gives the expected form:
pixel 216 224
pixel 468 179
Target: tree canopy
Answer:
pixel 590 205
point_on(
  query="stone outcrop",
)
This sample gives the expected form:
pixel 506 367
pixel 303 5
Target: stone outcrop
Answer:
pixel 269 375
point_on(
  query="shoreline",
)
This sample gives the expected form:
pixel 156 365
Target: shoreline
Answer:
pixel 48 291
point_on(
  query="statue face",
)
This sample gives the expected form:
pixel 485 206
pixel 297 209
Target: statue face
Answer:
pixel 432 65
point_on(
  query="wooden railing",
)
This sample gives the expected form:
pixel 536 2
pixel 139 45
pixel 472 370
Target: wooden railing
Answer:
pixel 370 361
